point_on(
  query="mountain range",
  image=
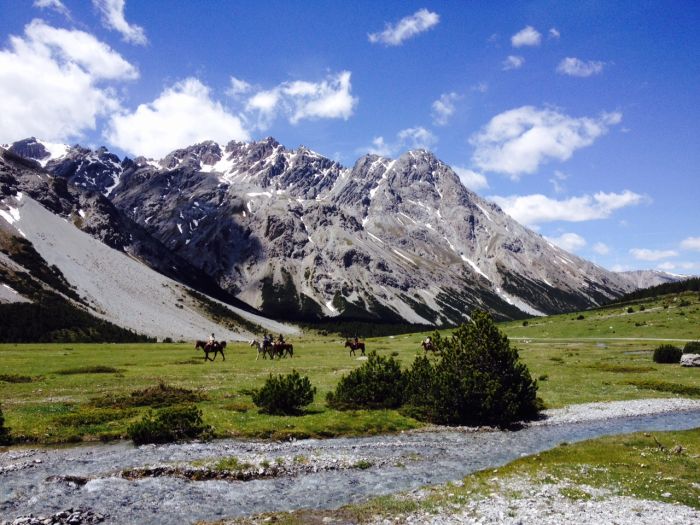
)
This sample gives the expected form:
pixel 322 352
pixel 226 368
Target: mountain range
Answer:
pixel 292 235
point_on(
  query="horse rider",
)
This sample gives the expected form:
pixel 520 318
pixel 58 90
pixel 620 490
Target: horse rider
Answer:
pixel 357 341
pixel 280 340
pixel 211 341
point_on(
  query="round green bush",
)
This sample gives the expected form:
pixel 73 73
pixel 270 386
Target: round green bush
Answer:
pixel 692 347
pixel 5 438
pixel 284 395
pixel 378 383
pixel 178 423
pixel 478 379
pixel 667 354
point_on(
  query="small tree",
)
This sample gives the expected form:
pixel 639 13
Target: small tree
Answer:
pixel 478 380
pixel 692 347
pixel 170 424
pixel 667 354
pixel 378 383
pixel 5 438
pixel 285 395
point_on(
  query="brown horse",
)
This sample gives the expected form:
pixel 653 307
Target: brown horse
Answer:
pixel 428 346
pixel 281 350
pixel 215 347
pixel 360 345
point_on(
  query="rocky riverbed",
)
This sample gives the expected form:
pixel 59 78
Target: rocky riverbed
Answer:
pixel 184 483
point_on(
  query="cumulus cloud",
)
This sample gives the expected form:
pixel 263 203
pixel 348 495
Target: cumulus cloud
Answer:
pixel 471 179
pixel 409 138
pixel 691 243
pixel 575 67
pixel 113 18
pixel 558 181
pixel 671 266
pixel 408 27
pixel 519 140
pixel 512 62
pixel 300 100
pixel 601 248
pixel 644 254
pixel 570 242
pixel 528 36
pixel 554 33
pixel 537 209
pixel 55 5
pixel 56 83
pixel 443 108
pixel 182 115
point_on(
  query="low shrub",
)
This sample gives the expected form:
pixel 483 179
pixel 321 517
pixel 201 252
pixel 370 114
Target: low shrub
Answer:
pixel 15 378
pixel 284 395
pixel 667 354
pixel 5 438
pixel 97 369
pixel 692 347
pixel 580 317
pixel 168 425
pixel 630 310
pixel 378 383
pixel 157 396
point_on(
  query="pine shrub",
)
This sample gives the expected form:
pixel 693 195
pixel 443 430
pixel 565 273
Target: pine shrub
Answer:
pixel 284 395
pixel 378 383
pixel 4 431
pixel 667 354
pixel 478 380
pixel 692 347
pixel 178 423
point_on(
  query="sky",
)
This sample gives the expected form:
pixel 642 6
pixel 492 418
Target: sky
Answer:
pixel 581 119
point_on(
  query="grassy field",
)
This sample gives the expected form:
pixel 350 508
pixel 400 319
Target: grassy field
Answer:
pixel 53 393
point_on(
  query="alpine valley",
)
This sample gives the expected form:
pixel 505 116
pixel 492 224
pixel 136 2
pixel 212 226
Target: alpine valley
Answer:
pixel 266 232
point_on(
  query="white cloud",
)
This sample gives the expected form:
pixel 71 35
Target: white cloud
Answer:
pixel 113 18
pixel 519 140
pixel 444 108
pixel 554 33
pixel 691 243
pixel 601 248
pixel 575 67
pixel 481 87
pixel 512 62
pixel 56 5
pixel 471 179
pixel 182 115
pixel 52 83
pixel 528 36
pixel 238 87
pixel 570 242
pixel 643 254
pixel 536 209
pixel 671 266
pixel 409 138
pixel 557 181
pixel 408 27
pixel 300 100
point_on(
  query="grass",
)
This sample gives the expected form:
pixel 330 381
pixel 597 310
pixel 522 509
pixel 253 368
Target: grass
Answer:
pixel 580 365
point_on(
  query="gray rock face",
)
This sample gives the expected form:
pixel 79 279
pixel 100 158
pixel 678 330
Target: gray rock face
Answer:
pixel 298 235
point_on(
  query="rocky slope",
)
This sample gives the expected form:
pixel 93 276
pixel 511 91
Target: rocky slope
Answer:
pixel 301 237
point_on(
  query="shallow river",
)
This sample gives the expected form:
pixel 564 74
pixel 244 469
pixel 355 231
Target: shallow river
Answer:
pixel 30 480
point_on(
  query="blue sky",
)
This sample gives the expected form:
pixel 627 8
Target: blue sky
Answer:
pixel 581 119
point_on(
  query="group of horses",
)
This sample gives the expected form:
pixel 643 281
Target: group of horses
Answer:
pixel 273 349
pixel 282 349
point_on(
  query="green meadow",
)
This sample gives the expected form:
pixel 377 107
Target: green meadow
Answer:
pixel 58 393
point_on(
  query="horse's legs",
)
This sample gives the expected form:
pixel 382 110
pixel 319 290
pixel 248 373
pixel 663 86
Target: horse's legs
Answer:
pixel 223 357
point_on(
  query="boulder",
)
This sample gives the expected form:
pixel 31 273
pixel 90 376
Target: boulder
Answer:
pixel 690 360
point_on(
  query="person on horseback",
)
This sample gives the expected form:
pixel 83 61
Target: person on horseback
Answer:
pixel 280 340
pixel 356 340
pixel 211 341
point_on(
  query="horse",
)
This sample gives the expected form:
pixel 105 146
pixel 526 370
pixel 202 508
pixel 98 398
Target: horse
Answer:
pixel 428 346
pixel 281 349
pixel 214 346
pixel 264 350
pixel 360 345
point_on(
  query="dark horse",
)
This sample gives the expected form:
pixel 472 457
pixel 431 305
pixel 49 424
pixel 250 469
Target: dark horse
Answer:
pixel 280 349
pixel 428 346
pixel 215 347
pixel 360 345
